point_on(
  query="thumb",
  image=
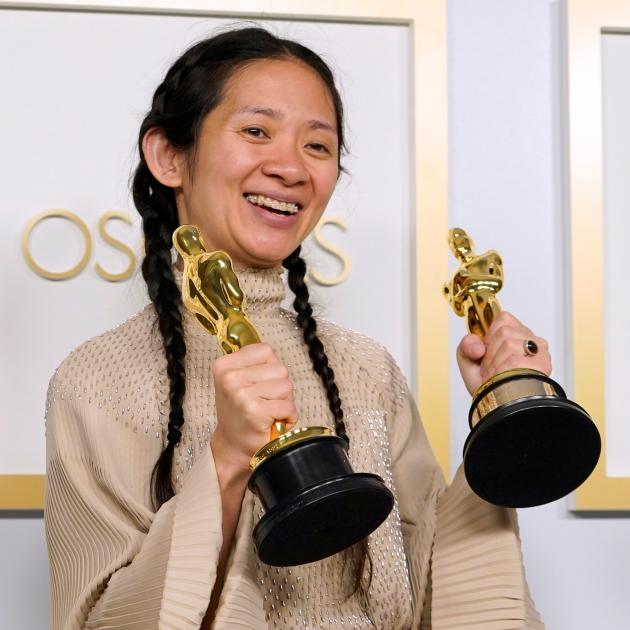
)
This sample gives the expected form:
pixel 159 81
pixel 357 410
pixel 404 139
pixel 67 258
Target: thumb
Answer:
pixel 470 352
pixel 471 348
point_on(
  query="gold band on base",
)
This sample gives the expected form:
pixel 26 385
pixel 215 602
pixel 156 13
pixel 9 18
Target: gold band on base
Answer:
pixel 286 439
pixel 527 384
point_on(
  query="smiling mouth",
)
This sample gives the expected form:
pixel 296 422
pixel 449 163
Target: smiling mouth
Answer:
pixel 283 208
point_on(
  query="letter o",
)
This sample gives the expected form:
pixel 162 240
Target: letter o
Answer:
pixel 60 214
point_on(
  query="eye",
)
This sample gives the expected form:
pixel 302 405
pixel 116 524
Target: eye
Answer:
pixel 318 148
pixel 255 132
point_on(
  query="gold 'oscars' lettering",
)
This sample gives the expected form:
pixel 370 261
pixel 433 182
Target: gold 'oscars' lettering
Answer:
pixel 108 238
pixel 331 249
pixel 314 275
pixel 59 214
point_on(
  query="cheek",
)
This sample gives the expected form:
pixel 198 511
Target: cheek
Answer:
pixel 227 164
pixel 327 183
pixel 316 216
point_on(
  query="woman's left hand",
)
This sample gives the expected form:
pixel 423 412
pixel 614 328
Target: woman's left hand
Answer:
pixel 503 348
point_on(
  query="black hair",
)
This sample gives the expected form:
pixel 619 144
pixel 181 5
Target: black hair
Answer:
pixel 296 266
pixel 191 89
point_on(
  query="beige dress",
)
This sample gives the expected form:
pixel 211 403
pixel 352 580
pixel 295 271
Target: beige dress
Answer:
pixel 444 559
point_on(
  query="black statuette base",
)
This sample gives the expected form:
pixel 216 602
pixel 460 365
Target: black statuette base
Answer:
pixel 315 506
pixel 531 452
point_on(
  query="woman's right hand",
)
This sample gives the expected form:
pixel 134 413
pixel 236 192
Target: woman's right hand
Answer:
pixel 252 390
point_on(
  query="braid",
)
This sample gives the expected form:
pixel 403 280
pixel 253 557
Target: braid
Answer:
pixel 159 219
pixel 296 266
pixel 297 271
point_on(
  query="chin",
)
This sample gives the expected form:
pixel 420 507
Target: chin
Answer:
pixel 265 257
pixel 258 261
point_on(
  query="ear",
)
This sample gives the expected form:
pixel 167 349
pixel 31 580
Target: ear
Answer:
pixel 164 161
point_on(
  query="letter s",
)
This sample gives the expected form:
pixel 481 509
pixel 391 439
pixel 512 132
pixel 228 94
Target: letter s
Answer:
pixel 124 275
pixel 332 249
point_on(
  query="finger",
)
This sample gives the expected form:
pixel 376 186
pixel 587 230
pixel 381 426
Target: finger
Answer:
pixel 283 410
pixel 470 351
pixel 273 389
pixel 250 401
pixel 253 354
pixel 282 425
pixel 512 342
pixel 243 377
pixel 507 332
pixel 505 318
pixel 508 337
pixel 511 355
pixel 267 412
pixel 506 352
pixel 471 348
pixel 291 419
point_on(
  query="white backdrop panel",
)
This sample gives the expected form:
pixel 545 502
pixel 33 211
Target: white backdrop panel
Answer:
pixel 506 161
pixel 79 86
pixel 616 105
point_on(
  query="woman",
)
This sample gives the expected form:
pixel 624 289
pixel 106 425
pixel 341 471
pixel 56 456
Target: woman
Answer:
pixel 244 140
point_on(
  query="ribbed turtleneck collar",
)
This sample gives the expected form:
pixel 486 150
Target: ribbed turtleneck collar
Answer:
pixel 264 289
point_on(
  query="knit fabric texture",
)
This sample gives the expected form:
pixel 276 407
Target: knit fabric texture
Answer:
pixel 443 559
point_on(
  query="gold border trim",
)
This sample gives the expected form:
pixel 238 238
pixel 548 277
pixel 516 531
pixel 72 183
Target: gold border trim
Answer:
pixel 586 21
pixel 427 21
pixel 22 492
pixel 287 439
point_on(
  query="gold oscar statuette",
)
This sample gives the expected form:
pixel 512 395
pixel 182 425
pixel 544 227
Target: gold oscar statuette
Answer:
pixel 529 444
pixel 315 504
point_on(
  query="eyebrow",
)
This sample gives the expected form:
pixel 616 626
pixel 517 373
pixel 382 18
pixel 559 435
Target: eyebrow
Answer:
pixel 320 124
pixel 256 109
pixel 276 115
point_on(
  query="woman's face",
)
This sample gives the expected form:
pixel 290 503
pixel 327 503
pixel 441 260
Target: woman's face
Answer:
pixel 265 164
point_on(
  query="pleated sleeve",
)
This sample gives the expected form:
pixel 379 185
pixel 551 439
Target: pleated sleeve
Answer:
pixel 114 563
pixel 464 555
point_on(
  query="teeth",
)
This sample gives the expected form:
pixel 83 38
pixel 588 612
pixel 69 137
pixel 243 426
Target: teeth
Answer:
pixel 274 204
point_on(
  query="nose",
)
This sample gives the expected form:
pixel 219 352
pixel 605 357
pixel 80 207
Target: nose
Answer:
pixel 287 164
